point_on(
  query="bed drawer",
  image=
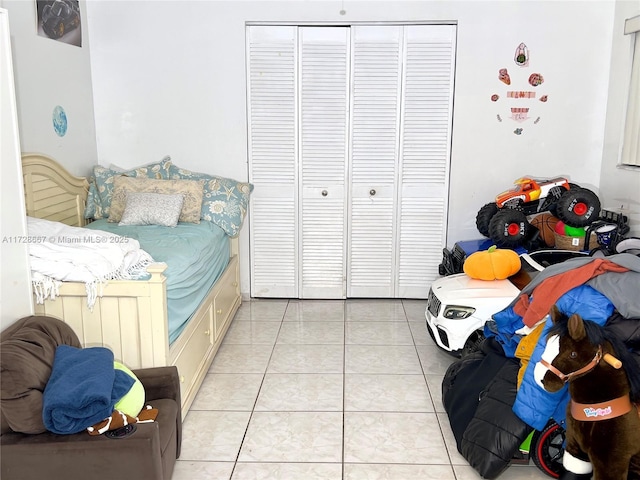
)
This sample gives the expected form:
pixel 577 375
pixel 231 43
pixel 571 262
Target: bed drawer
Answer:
pixel 226 300
pixel 195 351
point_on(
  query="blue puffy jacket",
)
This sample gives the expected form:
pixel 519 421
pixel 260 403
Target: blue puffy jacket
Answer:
pixel 534 405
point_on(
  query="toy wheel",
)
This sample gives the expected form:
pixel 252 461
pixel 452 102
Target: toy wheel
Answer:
pixel 578 207
pixel 509 228
pixel 546 449
pixel 472 344
pixel 484 216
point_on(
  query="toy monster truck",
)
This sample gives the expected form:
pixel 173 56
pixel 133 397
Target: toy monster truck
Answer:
pixel 505 220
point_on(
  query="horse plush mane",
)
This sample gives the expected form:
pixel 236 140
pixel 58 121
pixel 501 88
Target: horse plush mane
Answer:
pixel 603 420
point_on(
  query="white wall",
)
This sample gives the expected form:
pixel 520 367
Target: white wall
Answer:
pixel 15 288
pixel 169 78
pixel 620 186
pixel 46 73
pixel 49 73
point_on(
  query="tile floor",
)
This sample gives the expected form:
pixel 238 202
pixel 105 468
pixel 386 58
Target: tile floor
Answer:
pixel 327 390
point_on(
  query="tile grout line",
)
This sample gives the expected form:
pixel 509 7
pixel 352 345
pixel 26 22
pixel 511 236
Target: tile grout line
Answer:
pixel 433 404
pixel 253 409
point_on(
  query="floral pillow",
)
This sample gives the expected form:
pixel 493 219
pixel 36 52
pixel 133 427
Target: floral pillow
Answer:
pixel 191 190
pixel 225 201
pixel 93 201
pixel 101 185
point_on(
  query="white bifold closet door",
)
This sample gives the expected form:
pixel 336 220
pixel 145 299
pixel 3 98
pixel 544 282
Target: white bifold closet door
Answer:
pixel 298 146
pixel 324 123
pixel 273 159
pixel 349 134
pixel 375 145
pixel 401 126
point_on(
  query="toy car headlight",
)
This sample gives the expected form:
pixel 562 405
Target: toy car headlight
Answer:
pixel 455 312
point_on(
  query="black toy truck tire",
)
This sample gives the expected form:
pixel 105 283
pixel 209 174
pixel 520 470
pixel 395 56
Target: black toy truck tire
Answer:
pixel 484 216
pixel 578 207
pixel 509 228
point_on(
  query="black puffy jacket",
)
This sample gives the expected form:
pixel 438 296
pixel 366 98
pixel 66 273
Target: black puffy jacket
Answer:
pixel 478 392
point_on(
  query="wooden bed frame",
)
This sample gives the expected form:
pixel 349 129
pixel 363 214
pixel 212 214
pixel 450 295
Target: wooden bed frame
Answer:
pixel 130 317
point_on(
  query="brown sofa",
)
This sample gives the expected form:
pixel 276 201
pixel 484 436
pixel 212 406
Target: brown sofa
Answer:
pixel 28 451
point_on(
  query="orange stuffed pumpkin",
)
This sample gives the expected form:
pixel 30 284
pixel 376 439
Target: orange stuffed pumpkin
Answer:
pixel 492 264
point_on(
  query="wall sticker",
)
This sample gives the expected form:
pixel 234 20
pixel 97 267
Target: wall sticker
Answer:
pixel 520 114
pixel 522 55
pixel 536 79
pixel 59 118
pixel 520 100
pixel 503 76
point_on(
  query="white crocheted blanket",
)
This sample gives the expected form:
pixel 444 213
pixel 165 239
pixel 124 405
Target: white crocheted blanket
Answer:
pixel 60 253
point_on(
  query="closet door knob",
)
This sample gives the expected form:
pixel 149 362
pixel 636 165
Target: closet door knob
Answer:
pixel 372 192
pixel 324 193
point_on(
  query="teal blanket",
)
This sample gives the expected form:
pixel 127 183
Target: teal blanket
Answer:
pixel 196 255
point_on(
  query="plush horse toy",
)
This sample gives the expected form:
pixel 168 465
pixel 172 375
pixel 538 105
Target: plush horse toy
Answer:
pixel 603 419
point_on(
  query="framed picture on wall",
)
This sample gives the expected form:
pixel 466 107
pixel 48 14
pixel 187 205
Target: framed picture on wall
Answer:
pixel 60 20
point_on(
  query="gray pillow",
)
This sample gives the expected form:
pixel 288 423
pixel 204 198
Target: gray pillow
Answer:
pixel 152 209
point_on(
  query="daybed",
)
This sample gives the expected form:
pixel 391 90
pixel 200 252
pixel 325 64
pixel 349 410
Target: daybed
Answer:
pixel 131 316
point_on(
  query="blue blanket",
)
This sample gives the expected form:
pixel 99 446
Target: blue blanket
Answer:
pixel 82 389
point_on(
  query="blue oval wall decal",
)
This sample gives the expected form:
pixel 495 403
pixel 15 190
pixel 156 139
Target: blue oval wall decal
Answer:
pixel 59 121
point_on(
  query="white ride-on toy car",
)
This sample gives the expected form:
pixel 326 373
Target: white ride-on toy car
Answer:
pixel 458 306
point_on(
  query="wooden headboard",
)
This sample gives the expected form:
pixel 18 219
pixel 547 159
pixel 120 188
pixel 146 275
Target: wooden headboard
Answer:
pixel 51 192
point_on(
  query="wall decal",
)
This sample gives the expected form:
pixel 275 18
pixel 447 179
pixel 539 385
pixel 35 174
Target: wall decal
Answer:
pixel 504 77
pixel 536 79
pixel 522 55
pixel 520 114
pixel 521 94
pixel 519 102
pixel 60 20
pixel 59 118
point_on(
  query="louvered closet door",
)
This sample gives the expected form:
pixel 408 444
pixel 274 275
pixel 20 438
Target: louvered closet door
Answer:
pixel 401 125
pixel 324 89
pixel 272 121
pixel 349 135
pixel 429 52
pixel 377 73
